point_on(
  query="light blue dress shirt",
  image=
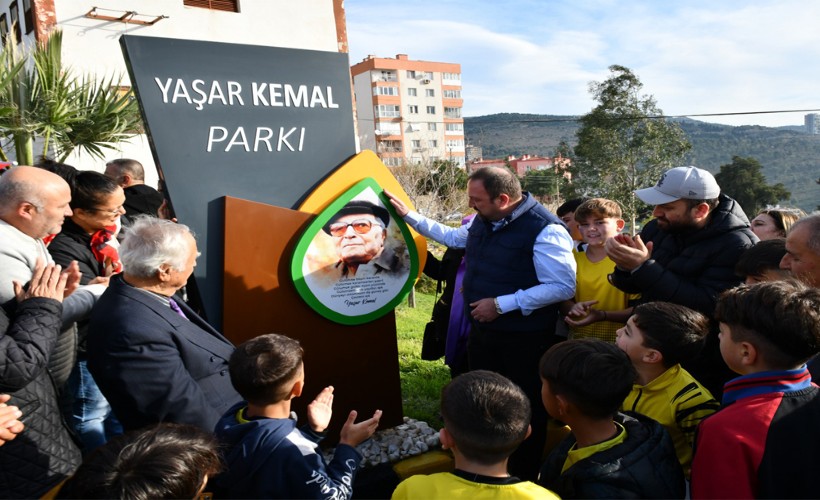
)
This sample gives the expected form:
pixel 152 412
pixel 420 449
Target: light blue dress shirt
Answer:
pixel 552 257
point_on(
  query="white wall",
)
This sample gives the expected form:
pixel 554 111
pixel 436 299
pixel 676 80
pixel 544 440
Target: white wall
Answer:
pixel 92 45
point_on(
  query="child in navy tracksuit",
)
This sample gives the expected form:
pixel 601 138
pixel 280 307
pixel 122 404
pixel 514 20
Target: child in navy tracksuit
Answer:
pixel 266 455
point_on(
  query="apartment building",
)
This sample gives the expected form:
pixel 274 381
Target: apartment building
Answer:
pixel 812 122
pixel 409 111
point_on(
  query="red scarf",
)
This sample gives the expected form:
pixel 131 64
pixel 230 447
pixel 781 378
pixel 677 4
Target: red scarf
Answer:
pixel 104 246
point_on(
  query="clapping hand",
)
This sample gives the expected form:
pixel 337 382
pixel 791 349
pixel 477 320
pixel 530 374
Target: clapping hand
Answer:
pixel 47 281
pixel 320 410
pixel 354 434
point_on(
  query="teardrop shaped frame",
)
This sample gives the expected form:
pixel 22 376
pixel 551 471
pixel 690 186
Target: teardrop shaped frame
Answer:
pixel 307 238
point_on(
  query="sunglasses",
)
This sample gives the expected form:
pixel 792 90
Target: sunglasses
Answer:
pixel 359 226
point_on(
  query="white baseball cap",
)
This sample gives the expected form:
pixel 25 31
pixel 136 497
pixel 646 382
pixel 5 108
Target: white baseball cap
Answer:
pixel 691 183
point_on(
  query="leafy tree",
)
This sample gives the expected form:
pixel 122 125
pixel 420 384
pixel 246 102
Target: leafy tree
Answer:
pixel 620 147
pixel 744 181
pixel 48 101
pixel 543 184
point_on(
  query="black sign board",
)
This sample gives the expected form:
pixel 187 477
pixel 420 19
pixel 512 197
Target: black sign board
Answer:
pixel 264 124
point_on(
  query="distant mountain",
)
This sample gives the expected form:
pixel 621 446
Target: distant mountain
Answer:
pixel 788 154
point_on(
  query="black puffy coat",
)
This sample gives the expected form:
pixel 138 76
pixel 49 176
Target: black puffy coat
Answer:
pixel 643 466
pixel 44 453
pixel 692 269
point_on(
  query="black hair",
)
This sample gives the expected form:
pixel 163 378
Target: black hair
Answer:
pixel 487 415
pixel 675 331
pixel 594 375
pixel 90 189
pixel 262 368
pixel 569 206
pixel 67 172
pixel 164 461
pixel 782 319
pixel 763 256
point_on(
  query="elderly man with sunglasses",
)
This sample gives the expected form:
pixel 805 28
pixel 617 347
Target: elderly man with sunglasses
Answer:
pixel 359 230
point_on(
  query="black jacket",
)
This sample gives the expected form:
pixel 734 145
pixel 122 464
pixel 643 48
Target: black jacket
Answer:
pixel 73 243
pixel 691 269
pixel 643 466
pixel 44 453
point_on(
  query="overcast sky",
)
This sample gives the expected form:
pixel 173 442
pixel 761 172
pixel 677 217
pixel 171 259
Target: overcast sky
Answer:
pixel 538 56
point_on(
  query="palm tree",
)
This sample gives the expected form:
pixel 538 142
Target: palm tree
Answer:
pixel 39 98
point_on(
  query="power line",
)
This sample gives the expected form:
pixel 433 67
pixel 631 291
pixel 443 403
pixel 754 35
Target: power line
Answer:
pixel 660 117
pixel 575 119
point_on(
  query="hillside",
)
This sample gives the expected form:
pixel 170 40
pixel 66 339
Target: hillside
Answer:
pixel 787 154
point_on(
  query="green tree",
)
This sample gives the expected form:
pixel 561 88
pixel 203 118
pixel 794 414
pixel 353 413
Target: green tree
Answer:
pixel 620 147
pixel 543 184
pixel 744 181
pixel 47 100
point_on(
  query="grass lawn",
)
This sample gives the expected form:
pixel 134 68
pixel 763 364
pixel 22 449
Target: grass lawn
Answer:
pixel 421 381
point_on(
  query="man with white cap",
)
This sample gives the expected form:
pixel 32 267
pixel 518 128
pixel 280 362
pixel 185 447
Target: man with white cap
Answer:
pixel 687 254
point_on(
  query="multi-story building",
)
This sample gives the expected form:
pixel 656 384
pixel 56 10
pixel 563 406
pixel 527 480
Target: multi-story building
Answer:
pixel 409 111
pixel 812 122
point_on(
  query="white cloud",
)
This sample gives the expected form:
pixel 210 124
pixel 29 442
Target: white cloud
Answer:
pixel 538 56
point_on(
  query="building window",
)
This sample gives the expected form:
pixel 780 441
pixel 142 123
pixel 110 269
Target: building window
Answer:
pixel 411 74
pixel 455 127
pixel 432 144
pixel 387 111
pixel 388 76
pixel 413 109
pixel 452 112
pixel 430 92
pixel 412 92
pixel 224 5
pixel 392 161
pixel 451 76
pixel 455 144
pixel 452 94
pixel 388 128
pixel 416 143
pixel 15 20
pixel 385 91
pixel 28 16
pixel 431 127
pixel 428 75
pixel 431 110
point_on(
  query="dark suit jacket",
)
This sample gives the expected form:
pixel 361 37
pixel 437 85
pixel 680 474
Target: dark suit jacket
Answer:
pixel 154 365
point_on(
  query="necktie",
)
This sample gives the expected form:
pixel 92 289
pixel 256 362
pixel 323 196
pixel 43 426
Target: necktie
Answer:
pixel 175 307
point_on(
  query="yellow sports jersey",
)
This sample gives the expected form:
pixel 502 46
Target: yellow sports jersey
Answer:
pixel 591 283
pixel 679 403
pixel 575 455
pixel 445 485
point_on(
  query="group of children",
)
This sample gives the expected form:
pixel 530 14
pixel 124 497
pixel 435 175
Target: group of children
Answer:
pixel 639 425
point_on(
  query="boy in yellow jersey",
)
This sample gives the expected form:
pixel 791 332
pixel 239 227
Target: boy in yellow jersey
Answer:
pixel 608 454
pixel 486 417
pixel 598 220
pixel 657 338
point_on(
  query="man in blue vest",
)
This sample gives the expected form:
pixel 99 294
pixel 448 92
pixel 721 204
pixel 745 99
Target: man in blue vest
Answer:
pixel 519 267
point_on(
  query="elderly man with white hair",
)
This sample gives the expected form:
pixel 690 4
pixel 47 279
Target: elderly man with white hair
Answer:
pixel 154 358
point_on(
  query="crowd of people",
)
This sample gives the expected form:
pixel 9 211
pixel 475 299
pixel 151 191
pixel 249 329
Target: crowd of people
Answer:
pixel 670 360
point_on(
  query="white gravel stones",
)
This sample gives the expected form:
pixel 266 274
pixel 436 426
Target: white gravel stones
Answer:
pixel 409 439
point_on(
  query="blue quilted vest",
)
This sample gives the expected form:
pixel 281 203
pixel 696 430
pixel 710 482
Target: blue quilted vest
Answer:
pixel 499 262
